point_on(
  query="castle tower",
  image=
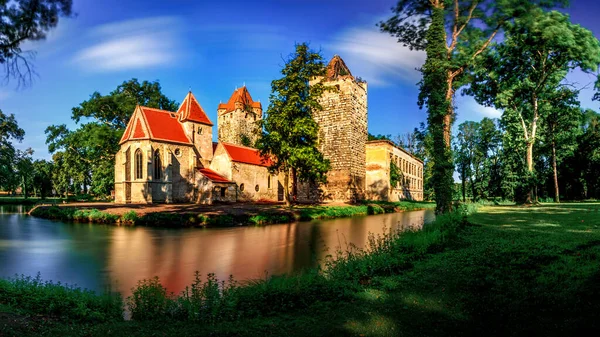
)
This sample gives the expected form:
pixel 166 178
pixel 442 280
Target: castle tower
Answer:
pixel 197 127
pixel 237 119
pixel 343 132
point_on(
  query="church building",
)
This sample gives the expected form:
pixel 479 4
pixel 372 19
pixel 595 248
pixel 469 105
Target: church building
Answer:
pixel 170 157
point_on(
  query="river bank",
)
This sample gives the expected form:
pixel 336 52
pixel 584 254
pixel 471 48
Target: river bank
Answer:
pixel 188 215
pixel 507 271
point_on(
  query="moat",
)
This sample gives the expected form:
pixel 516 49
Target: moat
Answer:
pixel 97 256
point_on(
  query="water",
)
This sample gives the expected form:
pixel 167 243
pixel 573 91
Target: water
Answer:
pixel 96 256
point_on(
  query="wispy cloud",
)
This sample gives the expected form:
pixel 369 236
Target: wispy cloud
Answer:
pixel 469 110
pixel 131 44
pixel 378 57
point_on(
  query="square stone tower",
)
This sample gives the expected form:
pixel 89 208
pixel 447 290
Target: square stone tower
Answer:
pixel 237 119
pixel 198 128
pixel 343 132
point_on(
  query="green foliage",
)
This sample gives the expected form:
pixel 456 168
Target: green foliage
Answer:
pixel 32 295
pixel 9 131
pixel 25 21
pixel 395 175
pixel 130 217
pixel 380 137
pixel 375 209
pixel 290 133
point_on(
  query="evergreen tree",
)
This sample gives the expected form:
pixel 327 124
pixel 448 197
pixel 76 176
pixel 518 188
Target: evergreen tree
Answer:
pixel 289 132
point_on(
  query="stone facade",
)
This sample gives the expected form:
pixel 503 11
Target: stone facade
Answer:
pixel 380 156
pixel 237 119
pixel 343 132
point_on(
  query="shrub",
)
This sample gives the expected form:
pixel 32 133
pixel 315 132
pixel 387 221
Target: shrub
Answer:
pixel 150 301
pixel 130 217
pixel 375 209
pixel 60 301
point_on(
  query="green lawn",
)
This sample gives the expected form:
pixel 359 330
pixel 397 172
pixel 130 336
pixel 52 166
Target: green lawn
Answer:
pixel 515 271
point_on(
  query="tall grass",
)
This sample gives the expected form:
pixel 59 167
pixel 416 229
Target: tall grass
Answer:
pixel 33 295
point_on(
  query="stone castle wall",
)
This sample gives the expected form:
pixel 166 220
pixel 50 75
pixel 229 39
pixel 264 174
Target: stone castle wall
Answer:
pixel 236 125
pixel 342 138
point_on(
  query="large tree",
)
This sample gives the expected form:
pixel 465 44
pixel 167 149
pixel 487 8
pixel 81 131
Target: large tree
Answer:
pixel 87 154
pixel 527 72
pixel 453 34
pixel 9 132
pixel 289 132
pixel 21 21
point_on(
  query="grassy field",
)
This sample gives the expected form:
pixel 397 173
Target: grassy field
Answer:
pixel 512 271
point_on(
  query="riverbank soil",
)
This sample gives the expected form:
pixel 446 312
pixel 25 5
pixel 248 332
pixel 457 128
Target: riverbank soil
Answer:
pixel 514 271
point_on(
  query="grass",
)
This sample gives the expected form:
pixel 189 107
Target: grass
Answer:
pixel 510 271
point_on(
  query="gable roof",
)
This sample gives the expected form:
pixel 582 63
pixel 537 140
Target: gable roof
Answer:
pixel 241 95
pixel 191 110
pixel 246 155
pixel 155 124
pixel 214 176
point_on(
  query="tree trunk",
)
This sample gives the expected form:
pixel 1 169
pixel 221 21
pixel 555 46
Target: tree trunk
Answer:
pixel 286 187
pixel 555 172
pixel 294 185
pixel 464 187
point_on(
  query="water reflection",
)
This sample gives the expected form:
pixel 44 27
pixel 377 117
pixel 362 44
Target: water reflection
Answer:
pixel 95 256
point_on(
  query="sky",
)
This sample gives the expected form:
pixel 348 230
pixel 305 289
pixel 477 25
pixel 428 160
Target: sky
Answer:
pixel 214 47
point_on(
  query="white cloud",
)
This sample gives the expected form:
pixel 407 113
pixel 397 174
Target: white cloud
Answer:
pixel 469 110
pixel 139 43
pixel 378 57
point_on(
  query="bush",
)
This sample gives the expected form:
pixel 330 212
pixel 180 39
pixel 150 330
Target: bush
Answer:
pixel 130 217
pixel 60 301
pixel 150 301
pixel 375 209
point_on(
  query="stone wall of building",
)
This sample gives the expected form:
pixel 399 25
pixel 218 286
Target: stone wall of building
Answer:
pixel 239 126
pixel 342 138
pixel 254 182
pixel 379 155
pixel 175 184
pixel 201 137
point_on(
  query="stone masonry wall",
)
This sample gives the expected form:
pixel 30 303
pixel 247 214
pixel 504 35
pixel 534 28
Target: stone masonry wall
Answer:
pixel 234 125
pixel 342 138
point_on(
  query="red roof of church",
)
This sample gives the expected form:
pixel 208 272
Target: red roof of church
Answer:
pixel 240 95
pixel 247 155
pixel 155 124
pixel 213 176
pixel 190 110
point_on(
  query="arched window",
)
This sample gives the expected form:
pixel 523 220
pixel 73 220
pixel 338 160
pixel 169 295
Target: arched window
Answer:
pixel 157 165
pixel 138 164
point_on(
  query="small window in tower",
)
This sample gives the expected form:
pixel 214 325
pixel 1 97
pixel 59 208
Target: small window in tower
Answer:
pixel 242 187
pixel 269 181
pixel 256 188
pixel 199 131
pixel 177 152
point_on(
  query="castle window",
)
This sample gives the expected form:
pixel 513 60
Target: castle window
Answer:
pixel 256 188
pixel 242 187
pixel 223 189
pixel 157 165
pixel 199 131
pixel 138 164
pixel 177 152
pixel 268 181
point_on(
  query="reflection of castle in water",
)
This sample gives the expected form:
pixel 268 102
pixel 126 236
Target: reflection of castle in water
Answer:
pixel 245 253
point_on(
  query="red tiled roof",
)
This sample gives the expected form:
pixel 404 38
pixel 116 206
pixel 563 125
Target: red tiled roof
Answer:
pixel 240 95
pixel 138 131
pixel 127 132
pixel 247 155
pixel 213 176
pixel 164 125
pixel 190 110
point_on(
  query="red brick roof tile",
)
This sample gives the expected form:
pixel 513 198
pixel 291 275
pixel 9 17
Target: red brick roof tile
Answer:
pixel 246 155
pixel 160 125
pixel 241 95
pixel 190 110
pixel 213 176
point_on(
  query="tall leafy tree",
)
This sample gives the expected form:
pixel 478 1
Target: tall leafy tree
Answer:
pixel 289 132
pixel 464 149
pixel 9 132
pixel 527 70
pixel 42 178
pixel 21 21
pixel 453 34
pixel 88 153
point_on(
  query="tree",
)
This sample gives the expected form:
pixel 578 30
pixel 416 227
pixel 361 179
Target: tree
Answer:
pixel 24 170
pixel 9 131
pixel 21 21
pixel 289 132
pixel 87 157
pixel 466 143
pixel 453 33
pixel 42 178
pixel 528 70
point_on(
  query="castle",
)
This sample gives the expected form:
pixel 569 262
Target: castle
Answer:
pixel 169 157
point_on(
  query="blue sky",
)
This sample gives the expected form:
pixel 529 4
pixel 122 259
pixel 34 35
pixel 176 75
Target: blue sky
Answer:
pixel 214 47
